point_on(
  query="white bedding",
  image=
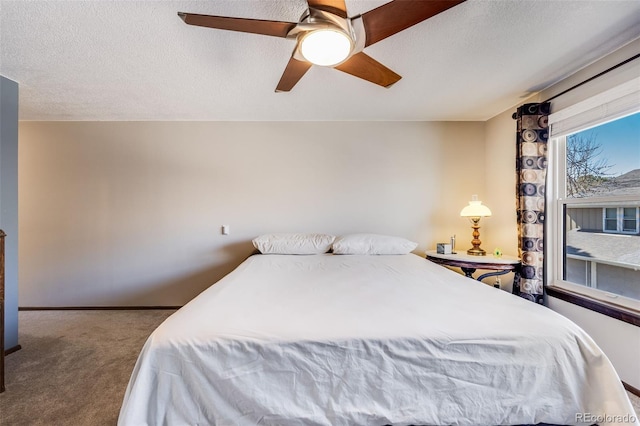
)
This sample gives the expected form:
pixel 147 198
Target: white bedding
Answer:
pixel 366 340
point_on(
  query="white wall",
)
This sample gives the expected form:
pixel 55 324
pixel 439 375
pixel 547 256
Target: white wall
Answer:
pixel 500 230
pixel 500 188
pixel 619 340
pixel 128 213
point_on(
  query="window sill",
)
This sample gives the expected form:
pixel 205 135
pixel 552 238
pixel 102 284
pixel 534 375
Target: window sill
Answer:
pixel 603 308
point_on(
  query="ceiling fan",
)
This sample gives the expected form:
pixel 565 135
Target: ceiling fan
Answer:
pixel 326 36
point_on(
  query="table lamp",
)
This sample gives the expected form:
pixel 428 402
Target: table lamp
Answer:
pixel 474 211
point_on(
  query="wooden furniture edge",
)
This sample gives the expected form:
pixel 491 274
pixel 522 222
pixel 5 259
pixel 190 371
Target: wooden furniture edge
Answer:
pixel 12 349
pixel 631 389
pixel 95 308
pixel 598 306
pixel 474 265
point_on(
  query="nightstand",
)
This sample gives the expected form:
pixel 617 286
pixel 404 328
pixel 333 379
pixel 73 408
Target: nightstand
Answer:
pixel 469 264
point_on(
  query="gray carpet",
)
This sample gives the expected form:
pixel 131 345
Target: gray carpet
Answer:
pixel 74 366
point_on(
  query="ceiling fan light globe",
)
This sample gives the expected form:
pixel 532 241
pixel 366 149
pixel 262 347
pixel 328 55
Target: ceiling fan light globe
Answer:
pixel 326 47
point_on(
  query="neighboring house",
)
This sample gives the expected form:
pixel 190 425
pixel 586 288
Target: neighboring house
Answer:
pixel 603 241
pixel 621 218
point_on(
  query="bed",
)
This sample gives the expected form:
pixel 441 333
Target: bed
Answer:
pixel 367 340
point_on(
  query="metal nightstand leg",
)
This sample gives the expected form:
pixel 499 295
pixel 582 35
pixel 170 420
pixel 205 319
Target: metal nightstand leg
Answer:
pixel 468 272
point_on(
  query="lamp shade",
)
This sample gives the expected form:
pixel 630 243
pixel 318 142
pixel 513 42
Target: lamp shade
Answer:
pixel 475 209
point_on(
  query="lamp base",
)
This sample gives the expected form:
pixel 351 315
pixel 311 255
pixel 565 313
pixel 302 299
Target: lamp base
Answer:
pixel 476 251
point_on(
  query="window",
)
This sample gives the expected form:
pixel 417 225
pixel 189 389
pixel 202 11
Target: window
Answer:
pixel 621 220
pixel 630 219
pixel 593 194
pixel 611 219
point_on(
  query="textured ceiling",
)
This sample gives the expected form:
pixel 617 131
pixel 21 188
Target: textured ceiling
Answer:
pixel 137 60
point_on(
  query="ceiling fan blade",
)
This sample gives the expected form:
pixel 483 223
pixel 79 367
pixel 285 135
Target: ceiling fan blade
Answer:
pixel 364 66
pixel 255 26
pixel 337 7
pixel 398 15
pixel 292 74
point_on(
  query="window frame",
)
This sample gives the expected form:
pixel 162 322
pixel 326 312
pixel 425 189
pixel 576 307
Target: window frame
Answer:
pixel 555 227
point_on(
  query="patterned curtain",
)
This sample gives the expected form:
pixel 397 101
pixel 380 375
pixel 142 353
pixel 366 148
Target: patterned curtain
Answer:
pixel 531 171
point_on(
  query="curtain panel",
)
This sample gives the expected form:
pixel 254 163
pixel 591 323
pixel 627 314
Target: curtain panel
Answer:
pixel 531 172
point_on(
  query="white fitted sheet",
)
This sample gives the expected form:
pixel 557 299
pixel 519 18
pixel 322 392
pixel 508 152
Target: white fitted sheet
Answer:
pixel 366 340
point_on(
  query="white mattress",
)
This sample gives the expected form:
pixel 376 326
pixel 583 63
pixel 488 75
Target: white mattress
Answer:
pixel 366 340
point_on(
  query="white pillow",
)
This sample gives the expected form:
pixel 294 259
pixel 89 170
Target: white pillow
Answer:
pixel 293 243
pixel 372 244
